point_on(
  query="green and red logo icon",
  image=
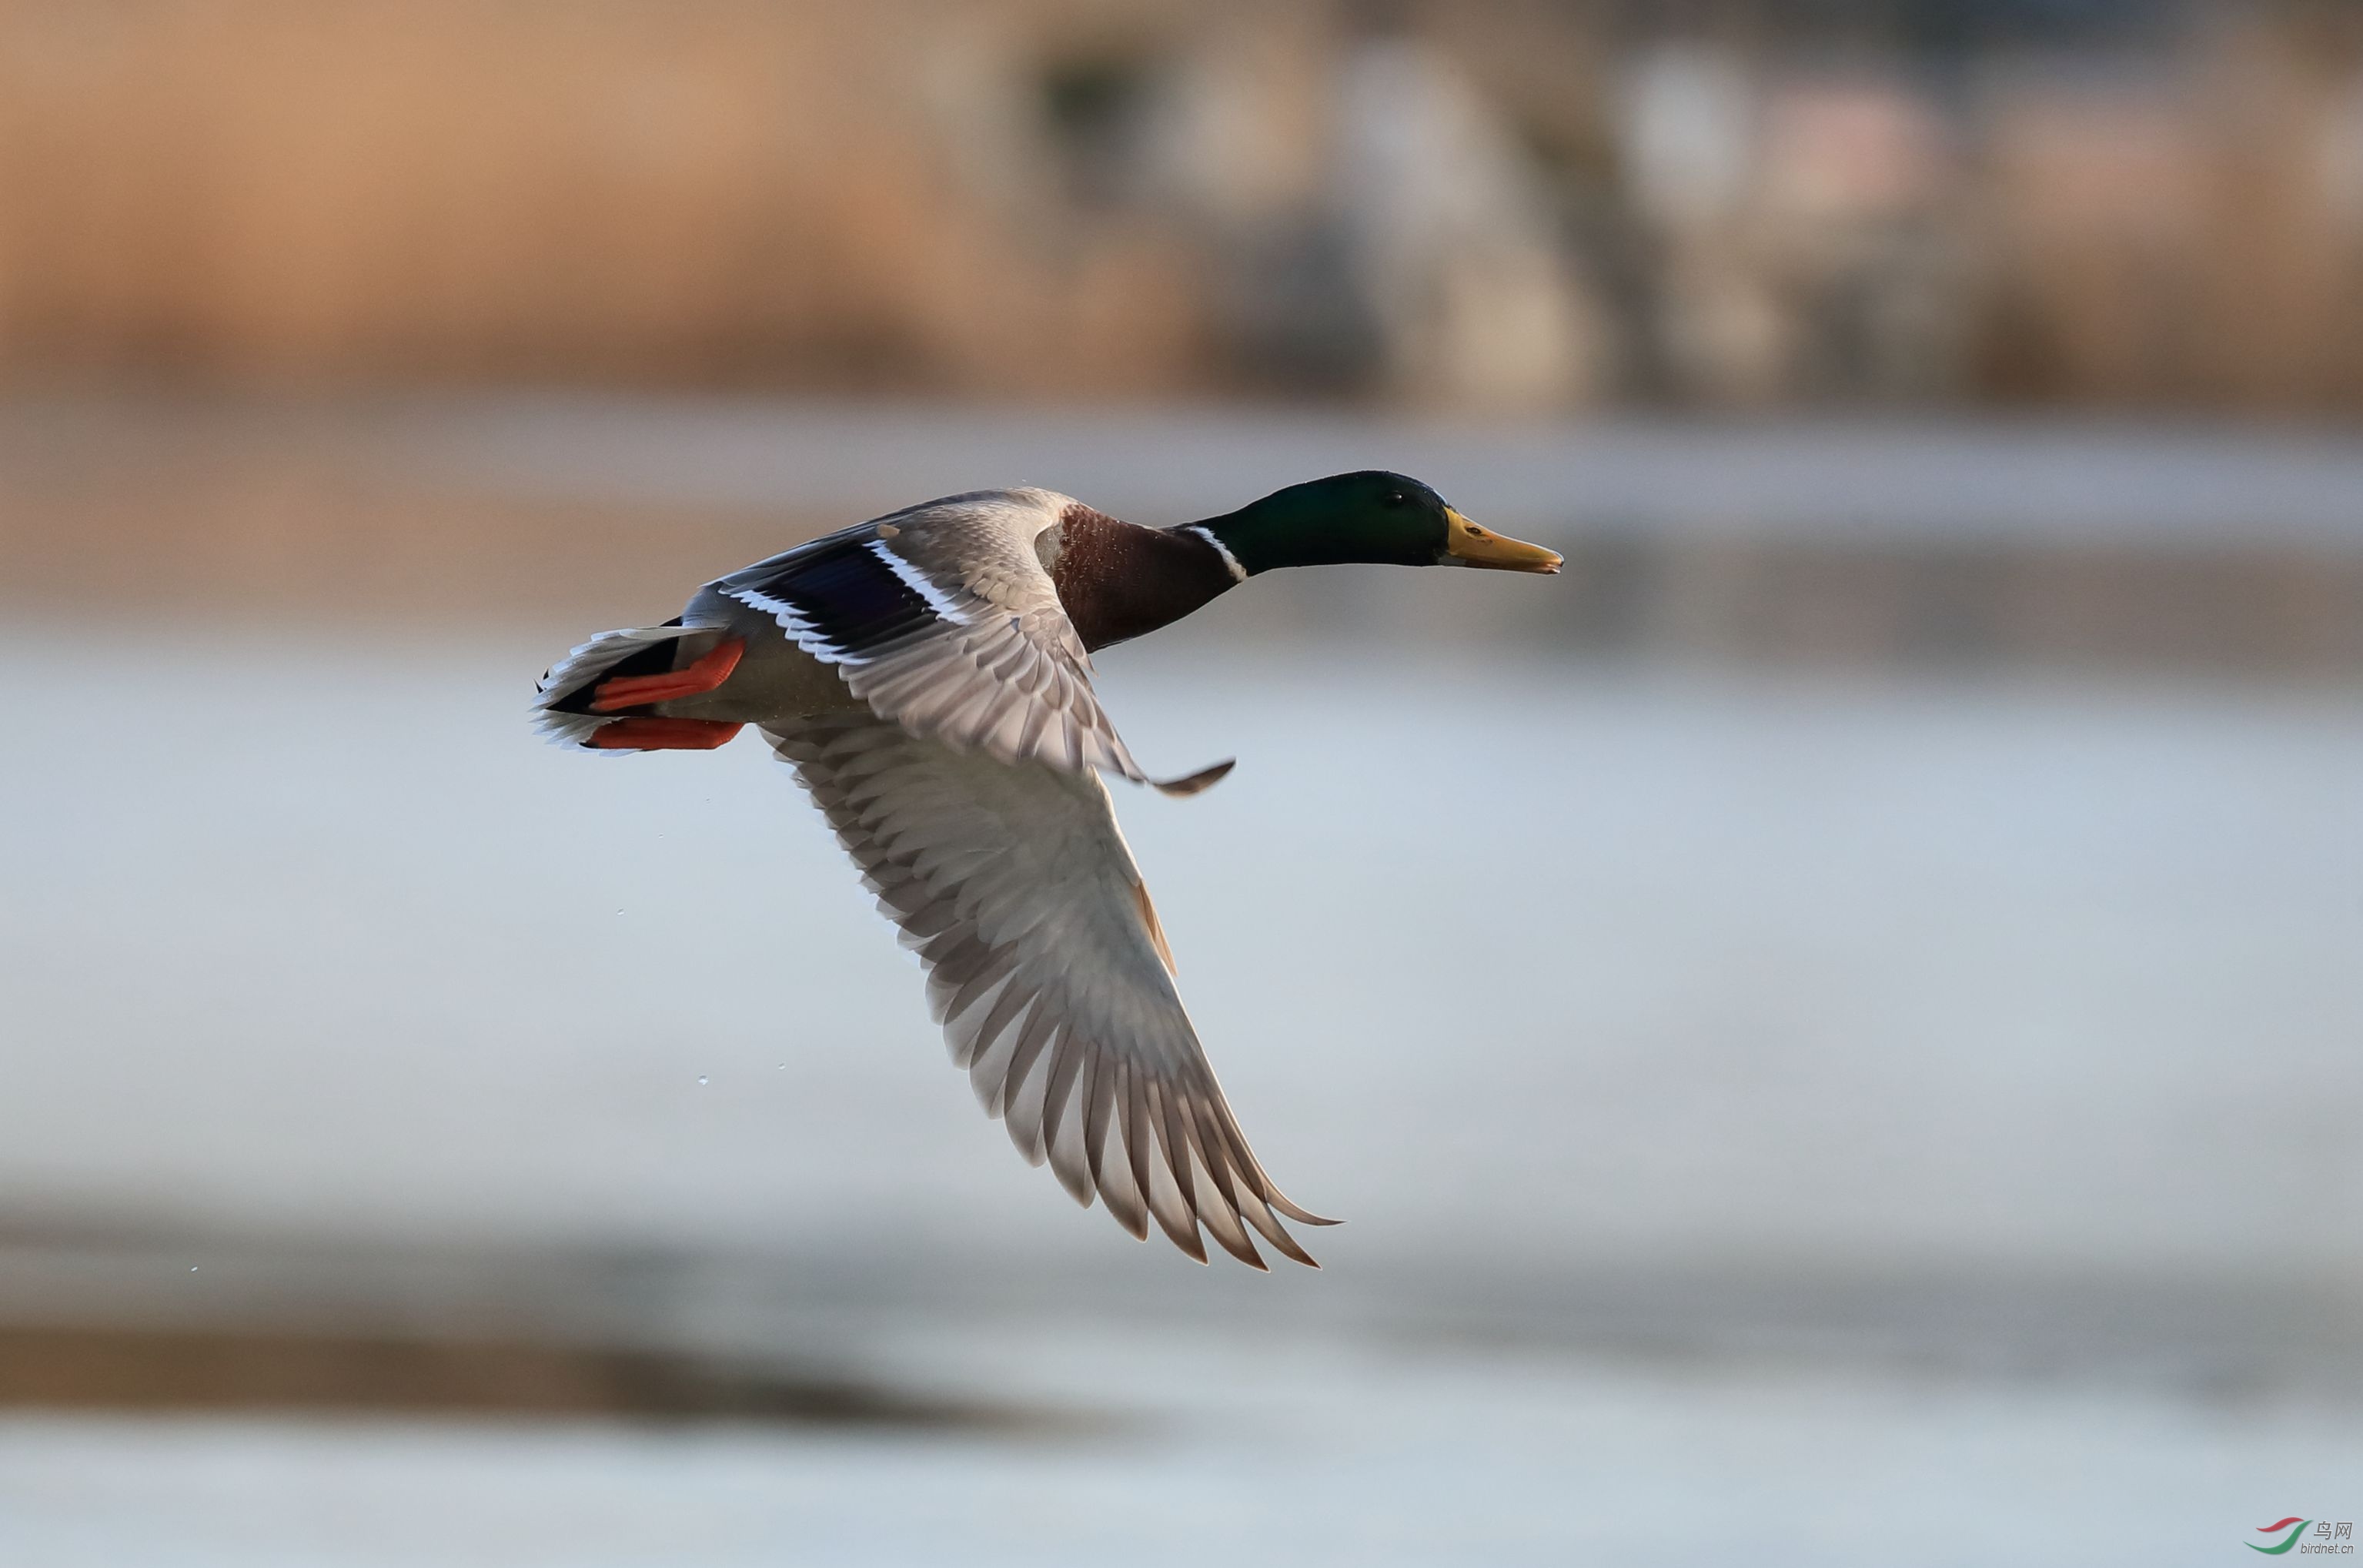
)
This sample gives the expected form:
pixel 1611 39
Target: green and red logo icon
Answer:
pixel 2294 1525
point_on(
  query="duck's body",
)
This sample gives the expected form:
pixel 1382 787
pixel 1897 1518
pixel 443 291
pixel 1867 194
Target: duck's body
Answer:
pixel 927 675
pixel 1112 581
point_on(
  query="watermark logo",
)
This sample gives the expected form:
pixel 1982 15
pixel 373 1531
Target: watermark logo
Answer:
pixel 2318 1536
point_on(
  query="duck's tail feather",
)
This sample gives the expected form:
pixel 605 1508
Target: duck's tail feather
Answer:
pixel 561 703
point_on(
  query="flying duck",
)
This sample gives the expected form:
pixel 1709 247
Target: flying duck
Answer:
pixel 927 676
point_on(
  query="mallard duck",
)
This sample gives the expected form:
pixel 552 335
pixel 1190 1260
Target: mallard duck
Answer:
pixel 927 676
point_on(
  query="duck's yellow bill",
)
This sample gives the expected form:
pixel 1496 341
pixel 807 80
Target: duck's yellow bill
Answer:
pixel 1473 546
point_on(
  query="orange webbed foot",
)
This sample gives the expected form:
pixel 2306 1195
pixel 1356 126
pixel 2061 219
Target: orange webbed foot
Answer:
pixel 663 734
pixel 638 691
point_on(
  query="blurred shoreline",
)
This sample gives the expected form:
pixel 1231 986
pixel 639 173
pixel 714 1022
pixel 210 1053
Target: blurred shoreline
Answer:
pixel 2209 548
pixel 711 1332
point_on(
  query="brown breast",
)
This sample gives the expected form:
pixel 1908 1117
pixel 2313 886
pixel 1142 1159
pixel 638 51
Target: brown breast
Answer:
pixel 1117 580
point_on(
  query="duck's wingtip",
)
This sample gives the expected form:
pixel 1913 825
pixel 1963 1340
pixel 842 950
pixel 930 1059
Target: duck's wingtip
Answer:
pixel 1279 1200
pixel 1198 783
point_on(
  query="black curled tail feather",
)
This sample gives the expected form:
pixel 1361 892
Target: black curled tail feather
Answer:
pixel 561 705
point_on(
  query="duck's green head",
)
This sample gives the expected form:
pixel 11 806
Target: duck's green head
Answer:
pixel 1379 519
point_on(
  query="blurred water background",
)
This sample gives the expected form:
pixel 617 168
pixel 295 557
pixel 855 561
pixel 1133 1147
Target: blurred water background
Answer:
pixel 1834 1025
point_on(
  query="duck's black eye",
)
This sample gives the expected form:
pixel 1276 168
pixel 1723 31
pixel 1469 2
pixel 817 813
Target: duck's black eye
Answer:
pixel 1396 498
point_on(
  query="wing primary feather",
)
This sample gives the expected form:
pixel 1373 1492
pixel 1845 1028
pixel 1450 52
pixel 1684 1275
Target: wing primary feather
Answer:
pixel 1222 1222
pixel 1271 1194
pixel 1029 1051
pixel 1242 1199
pixel 1209 1200
pixel 1099 1101
pixel 1140 1137
pixel 952 955
pixel 1066 1068
pixel 1118 1181
pixel 1166 1117
pixel 1006 1008
pixel 1023 1104
pixel 931 917
pixel 1250 1170
pixel 1063 1129
pixel 997 968
pixel 988 1068
pixel 1176 1218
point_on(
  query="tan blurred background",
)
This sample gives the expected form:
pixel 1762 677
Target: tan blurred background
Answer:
pixel 1907 1096
pixel 1513 205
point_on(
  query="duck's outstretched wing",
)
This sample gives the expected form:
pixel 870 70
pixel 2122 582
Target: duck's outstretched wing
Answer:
pixel 1048 971
pixel 942 619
